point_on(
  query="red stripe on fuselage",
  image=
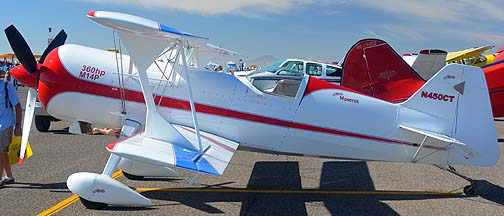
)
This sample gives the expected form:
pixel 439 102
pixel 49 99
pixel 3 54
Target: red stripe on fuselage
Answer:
pixel 59 80
pixel 315 84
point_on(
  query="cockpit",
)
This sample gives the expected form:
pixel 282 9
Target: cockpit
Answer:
pixel 284 81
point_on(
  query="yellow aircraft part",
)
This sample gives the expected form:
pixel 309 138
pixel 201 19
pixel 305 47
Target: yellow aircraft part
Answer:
pixel 12 56
pixel 471 56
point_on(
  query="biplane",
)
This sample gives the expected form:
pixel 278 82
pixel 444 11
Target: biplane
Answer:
pixel 198 120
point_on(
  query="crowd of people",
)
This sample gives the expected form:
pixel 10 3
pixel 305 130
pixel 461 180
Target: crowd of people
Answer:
pixel 231 67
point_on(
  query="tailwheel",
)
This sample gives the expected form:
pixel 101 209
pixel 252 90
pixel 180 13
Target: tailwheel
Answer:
pixel 469 190
pixel 472 189
pixel 133 177
pixel 92 205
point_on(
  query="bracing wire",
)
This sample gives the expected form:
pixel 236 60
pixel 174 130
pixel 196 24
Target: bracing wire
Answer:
pixel 120 72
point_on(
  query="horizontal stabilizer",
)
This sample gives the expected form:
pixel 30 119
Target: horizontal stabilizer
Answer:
pixel 462 147
pixel 440 137
pixel 216 154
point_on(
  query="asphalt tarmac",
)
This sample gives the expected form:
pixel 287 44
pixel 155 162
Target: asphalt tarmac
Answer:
pixel 253 184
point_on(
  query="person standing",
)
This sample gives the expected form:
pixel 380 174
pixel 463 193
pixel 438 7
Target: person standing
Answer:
pixel 242 65
pixel 9 122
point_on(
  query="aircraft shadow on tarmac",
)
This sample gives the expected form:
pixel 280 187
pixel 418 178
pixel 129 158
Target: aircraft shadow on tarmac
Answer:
pixel 52 187
pixel 335 176
pixel 491 192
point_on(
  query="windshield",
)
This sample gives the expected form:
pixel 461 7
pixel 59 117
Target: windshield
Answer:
pixel 272 68
pixel 282 71
pixel 275 64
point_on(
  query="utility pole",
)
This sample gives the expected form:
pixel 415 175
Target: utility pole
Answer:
pixel 50 36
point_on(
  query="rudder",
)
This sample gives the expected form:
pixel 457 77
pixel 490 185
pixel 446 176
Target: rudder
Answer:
pixel 458 95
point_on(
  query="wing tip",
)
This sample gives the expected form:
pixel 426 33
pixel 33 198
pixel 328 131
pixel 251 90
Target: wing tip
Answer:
pixel 91 14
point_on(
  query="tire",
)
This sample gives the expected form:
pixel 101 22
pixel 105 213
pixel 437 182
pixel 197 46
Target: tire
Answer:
pixel 92 205
pixel 42 123
pixel 133 177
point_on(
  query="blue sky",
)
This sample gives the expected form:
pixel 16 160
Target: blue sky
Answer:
pixel 318 30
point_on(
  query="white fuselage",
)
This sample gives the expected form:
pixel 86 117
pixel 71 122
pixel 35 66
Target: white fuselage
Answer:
pixel 329 121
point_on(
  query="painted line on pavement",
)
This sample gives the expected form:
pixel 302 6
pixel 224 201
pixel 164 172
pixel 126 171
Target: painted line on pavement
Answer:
pixel 301 191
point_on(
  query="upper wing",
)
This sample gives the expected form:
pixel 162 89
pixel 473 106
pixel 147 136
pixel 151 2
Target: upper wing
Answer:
pixel 142 27
pixel 218 50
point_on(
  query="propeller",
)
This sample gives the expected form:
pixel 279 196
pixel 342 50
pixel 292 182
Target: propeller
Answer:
pixel 56 42
pixel 27 121
pixel 21 49
pixel 26 58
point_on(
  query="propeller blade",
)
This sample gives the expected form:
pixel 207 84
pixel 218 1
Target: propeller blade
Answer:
pixel 27 122
pixel 56 42
pixel 21 49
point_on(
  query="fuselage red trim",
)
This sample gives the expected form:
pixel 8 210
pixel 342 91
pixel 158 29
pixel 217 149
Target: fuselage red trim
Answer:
pixel 59 80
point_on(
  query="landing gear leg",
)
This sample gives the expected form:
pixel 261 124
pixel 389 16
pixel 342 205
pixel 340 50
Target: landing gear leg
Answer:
pixel 194 181
pixel 472 188
pixel 112 164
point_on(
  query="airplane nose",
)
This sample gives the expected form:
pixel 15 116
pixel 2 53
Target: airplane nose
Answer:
pixel 22 75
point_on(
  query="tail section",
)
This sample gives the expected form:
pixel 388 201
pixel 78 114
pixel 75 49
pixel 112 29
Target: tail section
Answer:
pixel 373 68
pixel 458 98
pixel 429 62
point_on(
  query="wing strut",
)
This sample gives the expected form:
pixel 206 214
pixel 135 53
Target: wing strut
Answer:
pixel 191 99
pixel 418 150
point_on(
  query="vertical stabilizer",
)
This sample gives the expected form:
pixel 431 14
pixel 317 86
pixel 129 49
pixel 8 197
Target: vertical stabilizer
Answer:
pixel 373 68
pixel 458 97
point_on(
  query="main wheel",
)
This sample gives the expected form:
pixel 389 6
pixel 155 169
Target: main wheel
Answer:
pixel 42 123
pixel 469 190
pixel 133 177
pixel 92 205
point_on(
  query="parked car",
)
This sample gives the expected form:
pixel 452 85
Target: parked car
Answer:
pixel 292 67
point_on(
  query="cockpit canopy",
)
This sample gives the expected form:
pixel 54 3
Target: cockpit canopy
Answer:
pixel 282 81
